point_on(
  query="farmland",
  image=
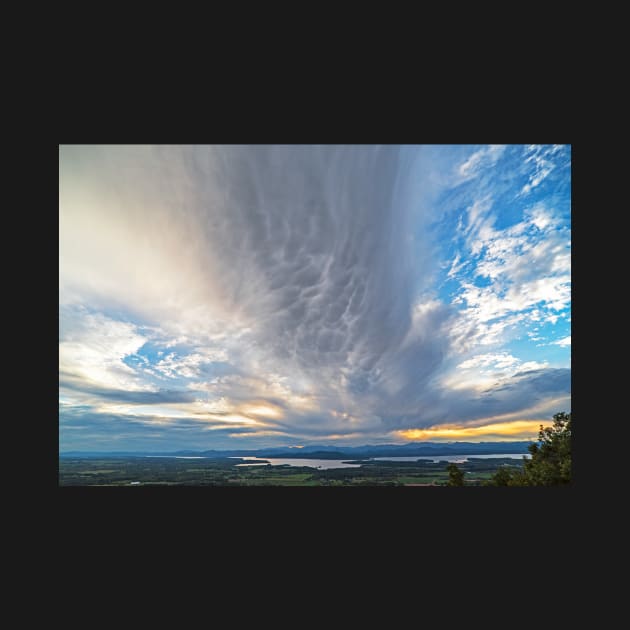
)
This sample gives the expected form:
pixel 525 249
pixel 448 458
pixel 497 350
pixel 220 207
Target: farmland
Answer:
pixel 226 471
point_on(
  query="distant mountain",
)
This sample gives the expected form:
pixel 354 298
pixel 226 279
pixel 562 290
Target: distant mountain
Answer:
pixel 333 452
pixel 404 450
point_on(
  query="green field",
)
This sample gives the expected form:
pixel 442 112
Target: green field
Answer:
pixel 144 471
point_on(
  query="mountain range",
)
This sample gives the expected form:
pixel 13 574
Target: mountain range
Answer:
pixel 334 452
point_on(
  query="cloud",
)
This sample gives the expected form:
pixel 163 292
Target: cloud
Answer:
pixel 483 158
pixel 564 342
pixel 92 348
pixel 299 244
pixel 498 360
pixel 211 282
pixel 189 365
pixel 529 393
pixel 517 274
pixel 542 157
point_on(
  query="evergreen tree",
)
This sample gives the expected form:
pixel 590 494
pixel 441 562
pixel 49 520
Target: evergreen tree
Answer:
pixel 503 477
pixel 455 475
pixel 550 462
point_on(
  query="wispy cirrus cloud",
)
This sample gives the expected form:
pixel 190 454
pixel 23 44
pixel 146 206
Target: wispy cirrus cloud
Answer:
pixel 543 159
pixel 480 159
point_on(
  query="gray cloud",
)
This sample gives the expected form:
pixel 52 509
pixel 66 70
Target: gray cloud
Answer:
pixel 138 397
pixel 313 255
pixel 308 243
pixel 519 393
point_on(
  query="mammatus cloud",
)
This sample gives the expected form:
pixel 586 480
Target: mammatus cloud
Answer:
pixel 289 291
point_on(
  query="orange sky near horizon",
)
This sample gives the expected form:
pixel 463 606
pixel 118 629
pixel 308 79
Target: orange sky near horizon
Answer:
pixel 521 429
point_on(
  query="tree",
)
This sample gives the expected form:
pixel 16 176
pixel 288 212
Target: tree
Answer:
pixel 503 477
pixel 550 462
pixel 455 475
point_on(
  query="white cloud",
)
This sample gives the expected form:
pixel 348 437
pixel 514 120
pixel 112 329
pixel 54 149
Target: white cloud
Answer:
pixel 130 238
pixel 533 365
pixel 480 159
pixel 456 266
pixel 92 348
pixel 541 157
pixel 496 360
pixel 528 265
pixel 540 217
pixel 488 370
pixel 565 342
pixel 174 365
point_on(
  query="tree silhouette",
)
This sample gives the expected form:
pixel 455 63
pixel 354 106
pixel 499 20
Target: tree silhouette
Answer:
pixel 550 462
pixel 455 475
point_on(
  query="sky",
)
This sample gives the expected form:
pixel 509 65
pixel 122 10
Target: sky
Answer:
pixel 227 297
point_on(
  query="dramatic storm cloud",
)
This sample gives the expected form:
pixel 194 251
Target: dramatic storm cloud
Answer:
pixel 213 296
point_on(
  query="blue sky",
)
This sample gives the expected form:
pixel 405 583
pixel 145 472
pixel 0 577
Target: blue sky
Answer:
pixel 243 297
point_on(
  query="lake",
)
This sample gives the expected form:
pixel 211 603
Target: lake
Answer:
pixel 455 459
pixel 327 464
pixel 322 464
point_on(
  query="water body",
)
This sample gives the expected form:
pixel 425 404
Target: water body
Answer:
pixel 326 464
pixel 455 459
pixel 322 464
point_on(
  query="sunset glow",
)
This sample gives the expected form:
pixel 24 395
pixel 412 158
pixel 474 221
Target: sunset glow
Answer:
pixel 519 429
